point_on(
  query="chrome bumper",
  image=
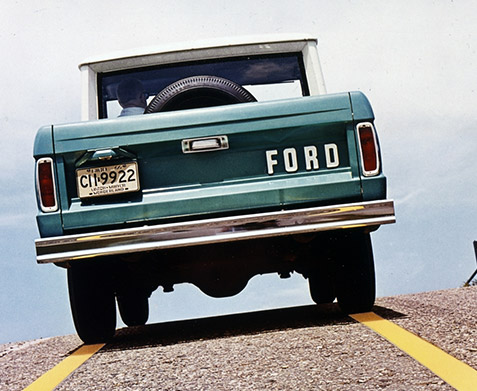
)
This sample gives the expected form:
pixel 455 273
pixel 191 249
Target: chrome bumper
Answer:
pixel 218 230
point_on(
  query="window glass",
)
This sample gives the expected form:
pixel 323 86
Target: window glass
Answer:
pixel 266 77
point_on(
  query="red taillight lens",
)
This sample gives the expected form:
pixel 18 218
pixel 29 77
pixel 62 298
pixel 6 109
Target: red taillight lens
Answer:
pixel 369 149
pixel 46 185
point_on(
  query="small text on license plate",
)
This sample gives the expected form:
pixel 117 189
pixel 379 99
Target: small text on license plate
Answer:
pixel 107 180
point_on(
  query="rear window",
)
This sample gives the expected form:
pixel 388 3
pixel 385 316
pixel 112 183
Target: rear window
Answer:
pixel 265 77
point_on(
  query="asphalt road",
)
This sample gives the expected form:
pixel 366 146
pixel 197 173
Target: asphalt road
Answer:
pixel 301 348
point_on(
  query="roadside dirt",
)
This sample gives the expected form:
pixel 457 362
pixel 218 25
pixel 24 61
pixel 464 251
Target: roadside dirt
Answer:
pixel 301 348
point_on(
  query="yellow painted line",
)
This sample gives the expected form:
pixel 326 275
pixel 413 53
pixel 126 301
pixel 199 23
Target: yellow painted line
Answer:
pixel 456 373
pixel 60 372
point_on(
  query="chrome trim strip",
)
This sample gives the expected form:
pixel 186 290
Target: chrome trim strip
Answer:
pixel 218 230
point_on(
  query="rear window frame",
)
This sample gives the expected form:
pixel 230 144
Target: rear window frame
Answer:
pixel 103 99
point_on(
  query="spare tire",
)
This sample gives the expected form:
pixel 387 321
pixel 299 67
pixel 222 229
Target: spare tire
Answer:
pixel 199 91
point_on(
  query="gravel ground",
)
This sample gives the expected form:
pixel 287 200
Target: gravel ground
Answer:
pixel 447 319
pixel 22 363
pixel 302 348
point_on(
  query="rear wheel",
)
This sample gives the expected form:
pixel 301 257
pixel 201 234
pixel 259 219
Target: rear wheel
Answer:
pixel 92 303
pixel 355 280
pixel 134 309
pixel 322 284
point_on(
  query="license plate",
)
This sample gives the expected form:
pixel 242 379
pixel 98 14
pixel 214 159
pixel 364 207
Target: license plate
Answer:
pixel 107 180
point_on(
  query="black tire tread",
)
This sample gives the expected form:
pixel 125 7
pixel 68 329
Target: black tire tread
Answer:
pixel 233 92
pixel 92 304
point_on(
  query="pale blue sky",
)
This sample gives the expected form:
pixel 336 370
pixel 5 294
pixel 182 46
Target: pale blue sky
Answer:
pixel 416 62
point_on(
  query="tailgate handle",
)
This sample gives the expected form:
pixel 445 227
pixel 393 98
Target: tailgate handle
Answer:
pixel 205 144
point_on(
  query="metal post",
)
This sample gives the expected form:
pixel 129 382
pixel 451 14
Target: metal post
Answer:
pixel 475 273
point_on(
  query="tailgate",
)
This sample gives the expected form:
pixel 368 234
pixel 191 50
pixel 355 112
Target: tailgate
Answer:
pixel 208 162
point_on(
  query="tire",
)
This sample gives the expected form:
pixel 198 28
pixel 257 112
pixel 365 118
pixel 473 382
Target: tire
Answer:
pixel 355 279
pixel 92 303
pixel 322 284
pixel 198 91
pixel 134 309
pixel 321 291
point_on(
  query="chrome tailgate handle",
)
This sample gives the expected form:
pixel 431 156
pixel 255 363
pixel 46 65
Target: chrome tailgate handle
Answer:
pixel 205 144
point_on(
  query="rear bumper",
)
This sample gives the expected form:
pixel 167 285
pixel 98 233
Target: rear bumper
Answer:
pixel 217 230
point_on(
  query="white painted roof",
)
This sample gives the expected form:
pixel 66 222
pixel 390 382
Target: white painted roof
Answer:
pixel 205 48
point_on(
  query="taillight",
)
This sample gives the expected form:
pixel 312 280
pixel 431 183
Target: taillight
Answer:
pixel 369 149
pixel 46 185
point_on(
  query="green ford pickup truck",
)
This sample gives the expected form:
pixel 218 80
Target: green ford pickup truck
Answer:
pixel 209 164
